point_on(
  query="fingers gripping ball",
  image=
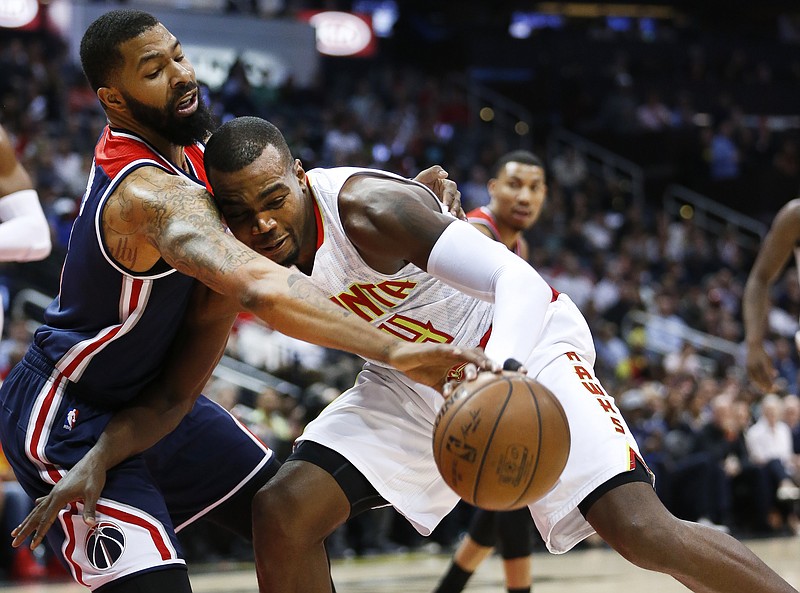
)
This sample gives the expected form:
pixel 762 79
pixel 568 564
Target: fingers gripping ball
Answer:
pixel 501 441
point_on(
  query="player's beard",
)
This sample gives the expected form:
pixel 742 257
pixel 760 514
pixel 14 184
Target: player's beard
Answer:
pixel 182 131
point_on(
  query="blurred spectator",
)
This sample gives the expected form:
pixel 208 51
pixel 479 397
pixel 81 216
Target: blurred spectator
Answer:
pixel 791 416
pixel 618 110
pixel 13 346
pixel 653 115
pixel 61 214
pixel 685 361
pixel 569 169
pixel 769 443
pixel 785 358
pixel 473 191
pixel 723 154
pixel 270 421
pixel 664 328
pixel 612 351
pixel 636 367
pixel 740 495
pixel 342 143
pixel 690 478
pixel 571 278
pixel 236 95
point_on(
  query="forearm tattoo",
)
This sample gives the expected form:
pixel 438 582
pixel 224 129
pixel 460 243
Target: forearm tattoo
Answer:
pixel 301 287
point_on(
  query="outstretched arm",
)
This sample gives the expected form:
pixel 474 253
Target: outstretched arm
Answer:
pixel 184 226
pixel 775 251
pixel 194 353
pixel 392 222
pixel 24 232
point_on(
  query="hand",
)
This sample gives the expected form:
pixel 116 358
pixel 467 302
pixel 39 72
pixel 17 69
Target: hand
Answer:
pixel 435 179
pixel 760 368
pixel 432 364
pixel 84 482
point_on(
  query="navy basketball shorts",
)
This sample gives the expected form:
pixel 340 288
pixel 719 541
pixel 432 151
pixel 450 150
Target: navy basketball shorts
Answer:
pixel 210 458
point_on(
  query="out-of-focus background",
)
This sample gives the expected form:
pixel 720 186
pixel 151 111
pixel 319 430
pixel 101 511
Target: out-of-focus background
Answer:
pixel 671 134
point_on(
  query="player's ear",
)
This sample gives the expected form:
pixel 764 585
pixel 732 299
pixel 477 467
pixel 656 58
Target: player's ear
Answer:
pixel 299 171
pixel 490 185
pixel 110 98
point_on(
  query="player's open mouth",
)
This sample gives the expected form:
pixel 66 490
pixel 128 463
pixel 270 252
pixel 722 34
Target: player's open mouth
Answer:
pixel 188 104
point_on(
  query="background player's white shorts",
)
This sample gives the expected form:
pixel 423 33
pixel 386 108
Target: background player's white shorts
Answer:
pixel 384 423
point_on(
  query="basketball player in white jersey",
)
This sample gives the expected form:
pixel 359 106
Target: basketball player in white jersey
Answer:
pixel 24 232
pixel 782 240
pixel 380 246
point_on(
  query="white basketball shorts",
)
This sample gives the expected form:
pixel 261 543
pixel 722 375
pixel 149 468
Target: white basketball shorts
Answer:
pixel 384 424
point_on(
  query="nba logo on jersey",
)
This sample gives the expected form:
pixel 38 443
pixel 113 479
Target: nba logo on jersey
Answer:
pixel 105 544
pixel 72 418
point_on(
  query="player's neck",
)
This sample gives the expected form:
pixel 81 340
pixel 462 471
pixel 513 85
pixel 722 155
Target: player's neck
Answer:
pixel 508 236
pixel 173 152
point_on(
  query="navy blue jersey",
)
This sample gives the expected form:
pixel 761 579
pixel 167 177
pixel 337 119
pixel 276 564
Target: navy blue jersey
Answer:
pixel 109 328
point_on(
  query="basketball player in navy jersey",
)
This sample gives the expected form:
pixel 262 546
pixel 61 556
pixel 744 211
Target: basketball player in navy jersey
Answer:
pixel 24 232
pixel 781 244
pixel 146 229
pixel 517 190
pixel 381 246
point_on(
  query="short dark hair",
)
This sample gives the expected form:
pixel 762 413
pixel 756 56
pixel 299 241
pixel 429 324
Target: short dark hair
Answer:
pixel 240 141
pixel 515 156
pixel 100 53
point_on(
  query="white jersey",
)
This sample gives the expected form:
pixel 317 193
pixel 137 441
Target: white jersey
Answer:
pixel 410 303
pixel 383 425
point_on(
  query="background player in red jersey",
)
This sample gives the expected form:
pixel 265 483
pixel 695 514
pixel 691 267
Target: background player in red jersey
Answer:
pixel 517 190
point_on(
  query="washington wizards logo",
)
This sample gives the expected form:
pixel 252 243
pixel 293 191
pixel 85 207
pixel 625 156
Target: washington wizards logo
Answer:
pixel 105 543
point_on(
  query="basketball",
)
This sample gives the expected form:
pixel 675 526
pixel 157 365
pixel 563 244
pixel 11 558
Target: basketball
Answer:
pixel 501 441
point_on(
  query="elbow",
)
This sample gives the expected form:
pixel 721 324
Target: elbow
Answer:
pixel 40 247
pixel 257 298
pixel 40 250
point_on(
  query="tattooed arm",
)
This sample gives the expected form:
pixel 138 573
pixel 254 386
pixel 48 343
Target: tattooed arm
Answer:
pixel 165 216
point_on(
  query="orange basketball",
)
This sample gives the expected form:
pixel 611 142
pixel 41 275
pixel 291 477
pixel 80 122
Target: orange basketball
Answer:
pixel 501 441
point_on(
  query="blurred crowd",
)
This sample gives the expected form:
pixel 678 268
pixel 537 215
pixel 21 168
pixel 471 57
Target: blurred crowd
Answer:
pixel 648 284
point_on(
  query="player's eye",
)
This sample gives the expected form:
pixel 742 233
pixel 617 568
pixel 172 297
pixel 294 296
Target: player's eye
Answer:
pixel 239 215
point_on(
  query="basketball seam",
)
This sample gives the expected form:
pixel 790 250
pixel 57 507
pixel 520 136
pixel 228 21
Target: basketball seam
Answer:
pixel 446 427
pixel 539 441
pixel 489 440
